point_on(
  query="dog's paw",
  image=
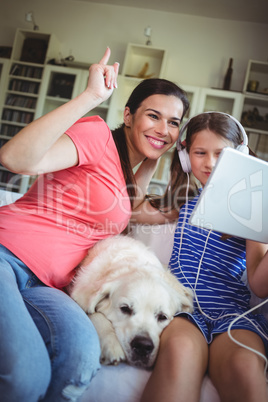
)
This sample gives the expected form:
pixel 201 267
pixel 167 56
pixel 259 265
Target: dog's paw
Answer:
pixel 111 351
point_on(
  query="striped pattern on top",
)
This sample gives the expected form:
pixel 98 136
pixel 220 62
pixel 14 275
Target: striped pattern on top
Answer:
pixel 219 284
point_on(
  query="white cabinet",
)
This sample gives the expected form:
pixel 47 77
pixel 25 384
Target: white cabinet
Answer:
pixel 254 115
pixel 211 99
pixel 20 91
pixel 60 84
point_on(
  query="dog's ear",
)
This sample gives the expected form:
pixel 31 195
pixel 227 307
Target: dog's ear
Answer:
pixel 183 295
pixel 89 297
pixel 99 300
pixel 96 299
pixel 187 300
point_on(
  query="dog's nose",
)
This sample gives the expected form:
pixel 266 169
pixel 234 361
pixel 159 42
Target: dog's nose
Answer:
pixel 142 345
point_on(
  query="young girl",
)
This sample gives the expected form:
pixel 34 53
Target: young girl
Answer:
pixel 213 266
pixel 49 349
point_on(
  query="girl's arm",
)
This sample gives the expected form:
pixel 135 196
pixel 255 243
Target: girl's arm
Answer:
pixel 42 146
pixel 257 267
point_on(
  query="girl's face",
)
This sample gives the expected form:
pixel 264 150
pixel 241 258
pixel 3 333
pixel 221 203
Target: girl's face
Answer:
pixel 154 128
pixel 204 151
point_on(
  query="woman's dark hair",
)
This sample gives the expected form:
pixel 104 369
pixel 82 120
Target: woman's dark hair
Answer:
pixel 175 194
pixel 146 88
pixel 155 86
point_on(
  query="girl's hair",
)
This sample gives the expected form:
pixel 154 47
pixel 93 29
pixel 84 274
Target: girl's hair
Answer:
pixel 146 88
pixel 175 194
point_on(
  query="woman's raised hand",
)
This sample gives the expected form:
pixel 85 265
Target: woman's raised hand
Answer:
pixel 41 146
pixel 103 78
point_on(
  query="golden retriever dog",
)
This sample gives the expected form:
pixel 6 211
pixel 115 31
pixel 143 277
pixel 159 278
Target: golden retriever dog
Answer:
pixel 130 298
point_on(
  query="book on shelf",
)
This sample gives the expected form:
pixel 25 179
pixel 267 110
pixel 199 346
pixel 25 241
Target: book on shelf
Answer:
pixel 20 85
pixel 9 130
pixel 26 71
pixel 20 101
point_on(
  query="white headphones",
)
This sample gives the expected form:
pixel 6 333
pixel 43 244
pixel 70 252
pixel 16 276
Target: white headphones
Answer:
pixel 183 154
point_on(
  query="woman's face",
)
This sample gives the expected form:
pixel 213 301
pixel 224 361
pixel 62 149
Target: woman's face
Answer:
pixel 204 151
pixel 154 128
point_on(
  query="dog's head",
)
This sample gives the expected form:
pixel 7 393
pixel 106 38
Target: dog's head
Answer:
pixel 139 307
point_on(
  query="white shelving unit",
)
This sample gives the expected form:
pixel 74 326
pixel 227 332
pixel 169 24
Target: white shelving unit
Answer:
pixel 21 90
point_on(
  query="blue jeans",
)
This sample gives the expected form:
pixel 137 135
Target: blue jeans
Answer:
pixel 49 349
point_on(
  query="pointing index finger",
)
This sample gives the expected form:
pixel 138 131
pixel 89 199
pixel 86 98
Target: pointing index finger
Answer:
pixel 106 56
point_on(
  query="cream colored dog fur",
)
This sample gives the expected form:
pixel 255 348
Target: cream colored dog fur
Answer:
pixel 130 298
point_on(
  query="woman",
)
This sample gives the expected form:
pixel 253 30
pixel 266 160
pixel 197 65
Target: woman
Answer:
pixel 212 265
pixel 84 193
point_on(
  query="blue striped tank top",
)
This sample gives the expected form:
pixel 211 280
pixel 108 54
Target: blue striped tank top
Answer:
pixel 219 284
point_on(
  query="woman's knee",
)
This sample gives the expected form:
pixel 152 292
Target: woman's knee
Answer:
pixel 27 378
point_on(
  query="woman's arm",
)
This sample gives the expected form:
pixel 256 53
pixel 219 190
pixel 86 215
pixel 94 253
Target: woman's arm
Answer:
pixel 41 146
pixel 143 177
pixel 257 267
pixel 143 212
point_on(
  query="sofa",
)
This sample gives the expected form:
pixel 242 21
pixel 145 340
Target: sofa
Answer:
pixel 124 383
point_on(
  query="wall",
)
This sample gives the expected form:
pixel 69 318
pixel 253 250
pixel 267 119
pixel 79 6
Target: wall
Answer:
pixel 198 48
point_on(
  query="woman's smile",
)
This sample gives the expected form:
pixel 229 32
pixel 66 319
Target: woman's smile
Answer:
pixel 156 142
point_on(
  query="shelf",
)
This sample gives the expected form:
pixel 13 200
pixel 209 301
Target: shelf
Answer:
pixel 8 130
pixel 34 47
pixel 211 99
pixel 20 101
pixel 20 91
pixel 139 56
pixel 256 80
pixel 26 70
pixel 255 114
